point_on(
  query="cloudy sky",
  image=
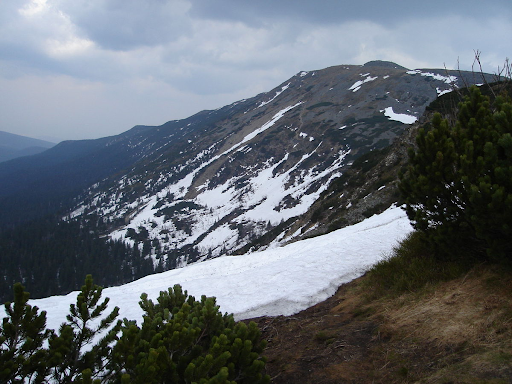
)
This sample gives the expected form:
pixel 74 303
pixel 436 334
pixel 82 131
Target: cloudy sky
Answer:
pixel 77 69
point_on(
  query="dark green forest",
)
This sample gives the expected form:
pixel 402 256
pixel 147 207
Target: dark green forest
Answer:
pixel 53 257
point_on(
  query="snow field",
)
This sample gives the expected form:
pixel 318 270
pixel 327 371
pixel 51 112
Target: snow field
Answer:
pixel 279 281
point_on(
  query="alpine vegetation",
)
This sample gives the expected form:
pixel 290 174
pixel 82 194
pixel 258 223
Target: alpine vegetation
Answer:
pixel 181 340
pixel 458 186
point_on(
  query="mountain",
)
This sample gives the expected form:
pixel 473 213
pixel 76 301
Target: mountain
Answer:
pixel 218 181
pixel 316 153
pixel 13 146
pixel 47 182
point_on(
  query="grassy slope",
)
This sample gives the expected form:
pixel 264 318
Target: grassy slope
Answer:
pixel 458 330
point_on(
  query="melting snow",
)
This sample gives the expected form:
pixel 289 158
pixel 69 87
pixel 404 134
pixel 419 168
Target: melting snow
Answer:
pixel 224 199
pixel 279 281
pixel 221 236
pixel 447 79
pixel 267 191
pixel 403 118
pixel 265 126
pixel 283 88
pixel 357 85
pixel 441 92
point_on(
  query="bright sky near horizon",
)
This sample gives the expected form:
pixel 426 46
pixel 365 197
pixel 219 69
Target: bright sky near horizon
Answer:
pixel 92 68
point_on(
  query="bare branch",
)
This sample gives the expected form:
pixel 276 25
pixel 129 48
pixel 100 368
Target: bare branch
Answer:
pixel 477 60
pixel 463 79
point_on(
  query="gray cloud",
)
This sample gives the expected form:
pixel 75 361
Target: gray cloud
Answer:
pixel 115 63
pixel 129 24
pixel 339 11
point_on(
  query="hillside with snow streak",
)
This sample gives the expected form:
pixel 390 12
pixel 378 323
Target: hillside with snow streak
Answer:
pixel 215 183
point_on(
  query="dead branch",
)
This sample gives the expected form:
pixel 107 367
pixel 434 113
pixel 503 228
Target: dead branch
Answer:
pixel 477 60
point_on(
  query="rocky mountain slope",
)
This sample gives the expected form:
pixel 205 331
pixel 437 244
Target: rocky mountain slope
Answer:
pixel 220 180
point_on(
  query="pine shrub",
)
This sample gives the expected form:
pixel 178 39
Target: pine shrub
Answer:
pixel 184 340
pixel 458 186
pixel 180 340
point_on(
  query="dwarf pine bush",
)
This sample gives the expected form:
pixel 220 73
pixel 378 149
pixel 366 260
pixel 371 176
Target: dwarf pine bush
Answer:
pixel 180 340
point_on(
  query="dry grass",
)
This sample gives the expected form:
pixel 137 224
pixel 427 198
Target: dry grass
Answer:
pixel 411 319
pixel 457 331
pixel 468 320
pixel 464 310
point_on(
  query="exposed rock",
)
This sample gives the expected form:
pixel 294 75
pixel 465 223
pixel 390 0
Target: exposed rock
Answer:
pixel 219 180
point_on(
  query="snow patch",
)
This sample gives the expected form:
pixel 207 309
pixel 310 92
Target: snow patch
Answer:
pixel 221 236
pixel 447 79
pixel 264 127
pixel 401 117
pixel 441 92
pixel 283 88
pixel 357 85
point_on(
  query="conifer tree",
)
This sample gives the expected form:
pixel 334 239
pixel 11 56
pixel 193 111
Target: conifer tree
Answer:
pixel 22 334
pixel 487 177
pixel 69 360
pixel 183 340
pixel 458 187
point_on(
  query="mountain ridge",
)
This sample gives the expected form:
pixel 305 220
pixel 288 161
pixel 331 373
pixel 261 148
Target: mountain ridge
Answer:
pixel 218 181
pixel 299 125
pixel 14 146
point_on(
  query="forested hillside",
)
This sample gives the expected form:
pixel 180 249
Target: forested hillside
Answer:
pixel 51 257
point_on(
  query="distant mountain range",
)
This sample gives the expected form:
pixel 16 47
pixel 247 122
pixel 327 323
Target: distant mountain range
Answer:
pixel 311 155
pixel 13 146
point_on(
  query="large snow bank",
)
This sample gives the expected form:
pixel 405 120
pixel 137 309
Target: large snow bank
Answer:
pixel 280 281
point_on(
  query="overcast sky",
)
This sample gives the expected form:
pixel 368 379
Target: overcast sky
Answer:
pixel 77 69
